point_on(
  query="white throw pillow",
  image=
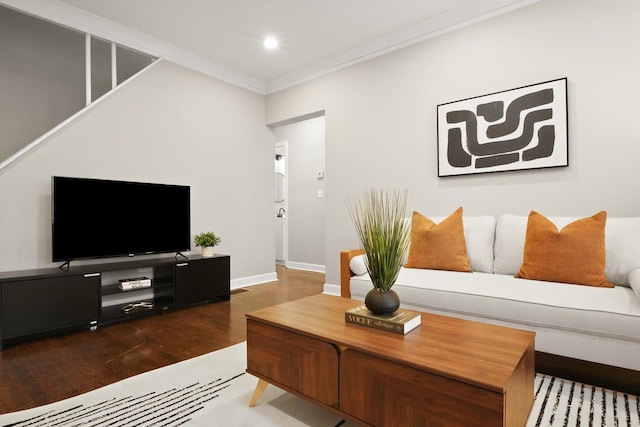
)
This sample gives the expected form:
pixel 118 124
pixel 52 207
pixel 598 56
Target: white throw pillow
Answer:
pixel 510 234
pixel 479 232
pixel 622 243
pixel 634 281
pixel 358 265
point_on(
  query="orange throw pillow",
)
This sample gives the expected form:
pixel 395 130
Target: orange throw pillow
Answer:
pixel 576 254
pixel 438 247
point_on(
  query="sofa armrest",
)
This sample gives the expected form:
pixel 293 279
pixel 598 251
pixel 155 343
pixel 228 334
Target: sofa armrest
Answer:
pixel 345 271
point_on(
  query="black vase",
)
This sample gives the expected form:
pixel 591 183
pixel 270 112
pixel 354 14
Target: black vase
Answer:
pixel 379 302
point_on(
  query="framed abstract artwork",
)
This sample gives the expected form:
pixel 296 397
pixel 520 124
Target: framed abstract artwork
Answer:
pixel 516 129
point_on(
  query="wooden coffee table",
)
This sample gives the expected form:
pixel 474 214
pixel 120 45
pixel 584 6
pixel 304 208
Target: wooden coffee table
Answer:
pixel 446 372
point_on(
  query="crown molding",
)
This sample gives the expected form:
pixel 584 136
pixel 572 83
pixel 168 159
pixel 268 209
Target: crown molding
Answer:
pixel 443 23
pixel 78 19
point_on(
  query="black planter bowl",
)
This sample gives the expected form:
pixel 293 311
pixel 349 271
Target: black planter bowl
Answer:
pixel 379 302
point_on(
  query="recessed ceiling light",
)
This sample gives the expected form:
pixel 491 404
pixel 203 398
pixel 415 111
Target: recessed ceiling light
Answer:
pixel 270 43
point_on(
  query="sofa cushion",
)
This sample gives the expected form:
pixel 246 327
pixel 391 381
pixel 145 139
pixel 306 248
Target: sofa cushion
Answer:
pixel 622 245
pixel 479 233
pixel 634 281
pixel 604 312
pixel 509 244
pixel 438 246
pixel 575 254
pixel 622 241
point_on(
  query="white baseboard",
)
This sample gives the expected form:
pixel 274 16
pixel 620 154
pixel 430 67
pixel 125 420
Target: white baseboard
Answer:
pixel 253 280
pixel 330 289
pixel 307 267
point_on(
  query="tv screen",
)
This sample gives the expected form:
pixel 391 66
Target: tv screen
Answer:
pixel 94 218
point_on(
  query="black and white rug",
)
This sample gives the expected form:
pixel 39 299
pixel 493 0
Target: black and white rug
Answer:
pixel 214 390
pixel 566 403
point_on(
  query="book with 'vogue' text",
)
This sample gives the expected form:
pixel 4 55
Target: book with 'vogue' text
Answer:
pixel 400 322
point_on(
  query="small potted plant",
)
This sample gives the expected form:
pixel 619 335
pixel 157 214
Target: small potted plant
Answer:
pixel 384 234
pixel 206 241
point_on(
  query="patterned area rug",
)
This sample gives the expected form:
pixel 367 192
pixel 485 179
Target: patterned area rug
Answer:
pixel 213 390
pixel 566 403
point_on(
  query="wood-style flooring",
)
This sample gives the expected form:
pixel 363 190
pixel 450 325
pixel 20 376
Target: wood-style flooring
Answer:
pixel 38 372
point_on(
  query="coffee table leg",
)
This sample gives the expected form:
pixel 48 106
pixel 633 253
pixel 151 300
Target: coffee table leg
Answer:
pixel 260 387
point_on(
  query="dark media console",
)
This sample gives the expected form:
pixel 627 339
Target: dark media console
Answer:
pixel 34 302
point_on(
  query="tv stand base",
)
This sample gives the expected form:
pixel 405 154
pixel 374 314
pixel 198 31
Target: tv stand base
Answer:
pixel 40 302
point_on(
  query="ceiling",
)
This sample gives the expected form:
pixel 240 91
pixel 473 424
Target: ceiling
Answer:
pixel 224 37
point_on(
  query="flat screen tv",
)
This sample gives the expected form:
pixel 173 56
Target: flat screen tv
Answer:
pixel 95 218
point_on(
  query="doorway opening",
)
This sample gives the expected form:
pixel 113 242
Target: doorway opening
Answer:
pixel 281 203
pixel 301 227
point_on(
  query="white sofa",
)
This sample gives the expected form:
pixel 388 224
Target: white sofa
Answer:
pixel 600 325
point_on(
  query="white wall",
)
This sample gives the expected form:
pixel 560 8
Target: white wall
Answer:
pixel 381 115
pixel 42 78
pixel 305 211
pixel 168 125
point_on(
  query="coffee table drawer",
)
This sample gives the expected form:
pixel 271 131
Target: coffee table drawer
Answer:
pixel 293 361
pixel 384 393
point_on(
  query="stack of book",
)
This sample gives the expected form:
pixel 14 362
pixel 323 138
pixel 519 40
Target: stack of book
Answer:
pixel 134 283
pixel 400 322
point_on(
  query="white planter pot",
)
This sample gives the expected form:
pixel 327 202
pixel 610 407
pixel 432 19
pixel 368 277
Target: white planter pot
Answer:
pixel 207 251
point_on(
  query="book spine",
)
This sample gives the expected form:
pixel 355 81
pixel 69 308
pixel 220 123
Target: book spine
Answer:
pixel 383 325
pixel 137 282
pixel 134 284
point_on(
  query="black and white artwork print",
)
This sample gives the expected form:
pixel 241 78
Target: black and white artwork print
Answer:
pixel 517 129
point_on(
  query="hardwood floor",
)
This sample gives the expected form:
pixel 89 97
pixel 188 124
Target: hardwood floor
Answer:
pixel 39 372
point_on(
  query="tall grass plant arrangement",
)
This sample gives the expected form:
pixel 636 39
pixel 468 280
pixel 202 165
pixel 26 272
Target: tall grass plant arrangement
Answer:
pixel 380 220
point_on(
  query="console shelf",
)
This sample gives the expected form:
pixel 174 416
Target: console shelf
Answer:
pixel 35 302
